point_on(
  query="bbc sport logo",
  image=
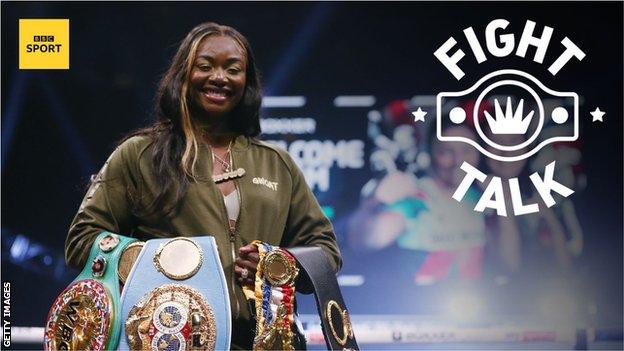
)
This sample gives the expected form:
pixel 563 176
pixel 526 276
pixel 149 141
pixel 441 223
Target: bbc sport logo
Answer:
pixel 43 43
pixel 509 112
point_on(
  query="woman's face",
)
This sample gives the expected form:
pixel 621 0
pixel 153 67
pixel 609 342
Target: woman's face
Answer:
pixel 448 156
pixel 218 76
pixel 502 169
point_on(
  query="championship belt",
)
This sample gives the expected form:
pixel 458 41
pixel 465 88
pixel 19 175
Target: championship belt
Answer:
pixel 335 321
pixel 85 316
pixel 176 298
pixel 274 295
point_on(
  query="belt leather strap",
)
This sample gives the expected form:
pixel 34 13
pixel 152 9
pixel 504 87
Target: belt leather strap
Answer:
pixel 335 320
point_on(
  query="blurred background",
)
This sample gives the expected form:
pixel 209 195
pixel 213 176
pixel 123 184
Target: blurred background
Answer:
pixel 340 82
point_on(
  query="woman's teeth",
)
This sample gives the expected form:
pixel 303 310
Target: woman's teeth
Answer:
pixel 218 94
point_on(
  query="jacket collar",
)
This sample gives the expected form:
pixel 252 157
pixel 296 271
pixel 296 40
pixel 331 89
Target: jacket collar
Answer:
pixel 241 143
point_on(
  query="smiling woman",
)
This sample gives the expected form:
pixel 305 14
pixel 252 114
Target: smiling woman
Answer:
pixel 218 77
pixel 191 174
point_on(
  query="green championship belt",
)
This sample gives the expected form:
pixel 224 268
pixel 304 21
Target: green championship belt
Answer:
pixel 85 316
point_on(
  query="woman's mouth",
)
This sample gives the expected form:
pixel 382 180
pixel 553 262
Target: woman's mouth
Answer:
pixel 216 95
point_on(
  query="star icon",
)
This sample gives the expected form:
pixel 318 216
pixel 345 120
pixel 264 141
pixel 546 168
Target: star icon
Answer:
pixel 597 115
pixel 419 115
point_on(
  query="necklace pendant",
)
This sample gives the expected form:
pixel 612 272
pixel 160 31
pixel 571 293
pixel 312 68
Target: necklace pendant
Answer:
pixel 219 178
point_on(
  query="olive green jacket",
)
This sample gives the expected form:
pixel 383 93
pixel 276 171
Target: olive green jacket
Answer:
pixel 277 207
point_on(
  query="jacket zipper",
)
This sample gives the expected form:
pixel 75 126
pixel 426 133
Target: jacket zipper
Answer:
pixel 232 234
pixel 233 250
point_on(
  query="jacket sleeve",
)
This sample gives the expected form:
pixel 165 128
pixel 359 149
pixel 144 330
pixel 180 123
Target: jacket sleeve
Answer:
pixel 106 205
pixel 306 224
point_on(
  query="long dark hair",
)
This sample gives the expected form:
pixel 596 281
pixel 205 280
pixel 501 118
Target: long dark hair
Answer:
pixel 175 135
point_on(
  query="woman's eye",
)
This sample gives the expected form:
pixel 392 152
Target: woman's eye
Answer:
pixel 234 70
pixel 204 67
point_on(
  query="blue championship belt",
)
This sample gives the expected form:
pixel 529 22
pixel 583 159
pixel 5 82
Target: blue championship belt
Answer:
pixel 85 316
pixel 176 298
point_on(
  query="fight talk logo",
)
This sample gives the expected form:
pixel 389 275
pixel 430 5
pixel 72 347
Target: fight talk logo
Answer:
pixel 510 114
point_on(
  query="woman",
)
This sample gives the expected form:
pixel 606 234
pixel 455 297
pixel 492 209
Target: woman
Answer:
pixel 418 222
pixel 164 180
pixel 533 243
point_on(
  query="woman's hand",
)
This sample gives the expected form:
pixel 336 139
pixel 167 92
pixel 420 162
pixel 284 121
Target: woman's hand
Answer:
pixel 248 259
pixel 396 186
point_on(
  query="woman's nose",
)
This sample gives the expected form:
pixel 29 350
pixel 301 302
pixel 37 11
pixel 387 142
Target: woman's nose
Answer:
pixel 218 77
pixel 454 161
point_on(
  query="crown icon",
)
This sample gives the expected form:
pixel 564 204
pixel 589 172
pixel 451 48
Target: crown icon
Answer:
pixel 509 122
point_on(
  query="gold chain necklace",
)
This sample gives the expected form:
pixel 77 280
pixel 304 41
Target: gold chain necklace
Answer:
pixel 228 173
pixel 224 164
